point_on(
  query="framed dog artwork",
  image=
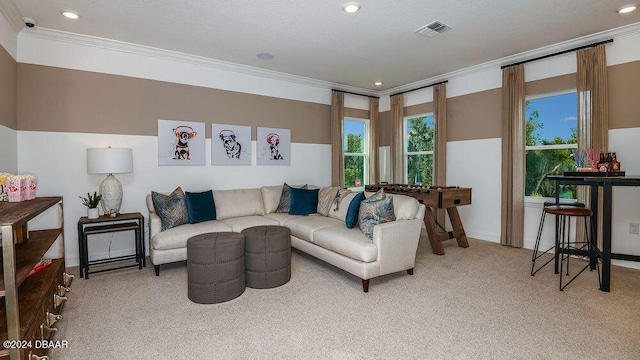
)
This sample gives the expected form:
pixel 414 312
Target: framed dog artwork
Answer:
pixel 230 144
pixel 273 146
pixel 181 143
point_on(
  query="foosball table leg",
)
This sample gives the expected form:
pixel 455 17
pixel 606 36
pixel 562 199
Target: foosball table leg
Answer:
pixel 432 231
pixel 458 230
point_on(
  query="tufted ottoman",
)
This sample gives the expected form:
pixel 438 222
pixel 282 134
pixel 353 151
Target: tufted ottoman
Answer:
pixel 215 267
pixel 267 256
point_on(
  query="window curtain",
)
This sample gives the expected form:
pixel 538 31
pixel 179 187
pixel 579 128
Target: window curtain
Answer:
pixel 337 155
pixel 440 141
pixel 374 114
pixel 513 156
pixel 397 139
pixel 593 108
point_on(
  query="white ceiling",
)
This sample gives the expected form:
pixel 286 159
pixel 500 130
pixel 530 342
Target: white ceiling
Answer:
pixel 316 39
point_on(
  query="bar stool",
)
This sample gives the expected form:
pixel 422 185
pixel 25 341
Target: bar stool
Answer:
pixel 535 256
pixel 567 247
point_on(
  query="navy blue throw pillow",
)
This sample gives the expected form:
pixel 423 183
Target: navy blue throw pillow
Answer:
pixel 303 201
pixel 354 209
pixel 200 206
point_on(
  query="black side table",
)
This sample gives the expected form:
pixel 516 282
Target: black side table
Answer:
pixel 105 224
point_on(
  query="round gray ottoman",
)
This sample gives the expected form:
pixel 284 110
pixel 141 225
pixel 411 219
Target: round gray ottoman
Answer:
pixel 215 267
pixel 267 256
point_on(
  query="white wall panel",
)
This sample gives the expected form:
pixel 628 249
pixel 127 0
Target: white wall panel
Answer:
pixel 477 164
pixel 626 200
pixel 356 102
pixel 59 162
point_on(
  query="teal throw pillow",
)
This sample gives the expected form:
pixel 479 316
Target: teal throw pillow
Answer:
pixel 172 208
pixel 353 210
pixel 201 206
pixel 285 198
pixel 303 201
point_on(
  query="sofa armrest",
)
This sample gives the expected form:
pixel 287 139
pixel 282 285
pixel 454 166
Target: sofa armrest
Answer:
pixel 155 225
pixel 397 243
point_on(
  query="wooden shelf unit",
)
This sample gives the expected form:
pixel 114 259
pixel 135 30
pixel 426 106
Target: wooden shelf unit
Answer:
pixel 23 301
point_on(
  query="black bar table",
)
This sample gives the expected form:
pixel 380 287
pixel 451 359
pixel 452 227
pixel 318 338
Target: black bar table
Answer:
pixel 607 183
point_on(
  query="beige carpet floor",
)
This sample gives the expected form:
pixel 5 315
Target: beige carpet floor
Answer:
pixel 474 303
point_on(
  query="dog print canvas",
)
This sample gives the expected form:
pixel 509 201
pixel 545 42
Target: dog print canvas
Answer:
pixel 181 143
pixel 230 144
pixel 273 146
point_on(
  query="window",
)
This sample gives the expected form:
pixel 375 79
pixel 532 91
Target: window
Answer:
pixel 418 156
pixel 356 152
pixel 550 137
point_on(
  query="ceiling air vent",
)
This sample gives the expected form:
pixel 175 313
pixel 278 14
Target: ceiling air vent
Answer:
pixel 433 29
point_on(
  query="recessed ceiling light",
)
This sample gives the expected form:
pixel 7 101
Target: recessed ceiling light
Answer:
pixel 627 8
pixel 378 83
pixel 351 7
pixel 264 56
pixel 70 14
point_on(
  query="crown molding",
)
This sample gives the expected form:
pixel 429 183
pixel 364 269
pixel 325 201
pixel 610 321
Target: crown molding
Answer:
pixel 12 14
pixel 616 33
pixel 115 45
pixel 120 46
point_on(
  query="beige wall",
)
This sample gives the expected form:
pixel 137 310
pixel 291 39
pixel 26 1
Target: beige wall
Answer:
pixel 55 99
pixel 475 116
pixel 356 113
pixel 624 95
pixel 64 100
pixel 8 85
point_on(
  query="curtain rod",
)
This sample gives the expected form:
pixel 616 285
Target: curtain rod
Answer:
pixel 352 93
pixel 421 87
pixel 558 53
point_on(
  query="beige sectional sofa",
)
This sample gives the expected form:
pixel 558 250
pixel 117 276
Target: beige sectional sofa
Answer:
pixel 392 249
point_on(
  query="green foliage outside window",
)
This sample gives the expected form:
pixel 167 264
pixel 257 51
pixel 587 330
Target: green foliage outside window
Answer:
pixel 420 134
pixel 540 163
pixel 354 164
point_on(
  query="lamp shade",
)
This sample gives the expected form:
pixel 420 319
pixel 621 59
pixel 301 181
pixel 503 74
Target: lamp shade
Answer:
pixel 109 160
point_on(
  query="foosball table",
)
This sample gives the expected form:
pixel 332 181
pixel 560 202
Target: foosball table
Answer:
pixel 436 197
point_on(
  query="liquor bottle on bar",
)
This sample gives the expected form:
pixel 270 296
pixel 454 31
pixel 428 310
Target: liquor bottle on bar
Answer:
pixel 615 164
pixel 603 166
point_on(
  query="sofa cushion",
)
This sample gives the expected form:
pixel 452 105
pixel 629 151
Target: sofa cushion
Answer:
pixel 351 243
pixel 240 223
pixel 200 206
pixel 374 212
pixel 326 197
pixel 303 227
pixel 171 208
pixel 405 207
pixel 303 201
pixel 236 203
pixel 285 198
pixel 271 197
pixel 351 219
pixel 176 238
pixel 280 217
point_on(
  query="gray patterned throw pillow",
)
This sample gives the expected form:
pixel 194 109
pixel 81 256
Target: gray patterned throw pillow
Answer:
pixel 374 211
pixel 171 208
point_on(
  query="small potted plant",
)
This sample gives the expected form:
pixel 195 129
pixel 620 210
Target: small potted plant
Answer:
pixel 92 202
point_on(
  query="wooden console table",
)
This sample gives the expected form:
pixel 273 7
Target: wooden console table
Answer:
pixel 439 197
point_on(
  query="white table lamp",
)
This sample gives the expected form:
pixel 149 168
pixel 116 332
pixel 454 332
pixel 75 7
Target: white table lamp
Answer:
pixel 110 161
